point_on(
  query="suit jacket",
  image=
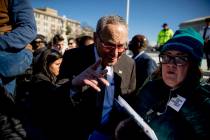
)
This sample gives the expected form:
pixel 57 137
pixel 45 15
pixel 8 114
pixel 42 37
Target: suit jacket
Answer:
pixel 77 60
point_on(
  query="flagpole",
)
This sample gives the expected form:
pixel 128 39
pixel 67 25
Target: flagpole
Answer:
pixel 127 10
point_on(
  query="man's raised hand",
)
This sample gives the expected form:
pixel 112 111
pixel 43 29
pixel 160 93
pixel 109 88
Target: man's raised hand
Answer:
pixel 91 77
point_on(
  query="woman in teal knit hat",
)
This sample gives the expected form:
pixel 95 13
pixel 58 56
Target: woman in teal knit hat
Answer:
pixel 173 101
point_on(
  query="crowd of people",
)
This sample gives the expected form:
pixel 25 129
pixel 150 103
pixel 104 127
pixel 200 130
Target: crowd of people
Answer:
pixel 52 92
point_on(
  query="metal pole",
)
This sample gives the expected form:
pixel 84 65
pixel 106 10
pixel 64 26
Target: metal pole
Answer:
pixel 127 10
pixel 64 33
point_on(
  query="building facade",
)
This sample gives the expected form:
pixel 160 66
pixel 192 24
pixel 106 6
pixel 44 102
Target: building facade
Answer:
pixel 50 23
pixel 197 23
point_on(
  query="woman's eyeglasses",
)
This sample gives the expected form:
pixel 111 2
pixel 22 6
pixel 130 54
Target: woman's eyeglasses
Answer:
pixel 109 46
pixel 39 42
pixel 177 60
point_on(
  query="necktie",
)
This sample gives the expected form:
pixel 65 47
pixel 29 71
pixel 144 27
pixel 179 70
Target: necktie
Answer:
pixel 204 33
pixel 108 96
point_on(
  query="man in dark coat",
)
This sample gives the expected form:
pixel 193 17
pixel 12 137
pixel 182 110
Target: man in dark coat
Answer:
pixel 145 65
pixel 206 36
pixel 87 68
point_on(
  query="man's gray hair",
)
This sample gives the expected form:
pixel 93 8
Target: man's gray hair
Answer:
pixel 115 19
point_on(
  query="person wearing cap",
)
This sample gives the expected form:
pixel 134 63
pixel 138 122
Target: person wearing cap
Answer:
pixel 173 101
pixel 205 32
pixel 38 44
pixel 145 65
pixel 163 36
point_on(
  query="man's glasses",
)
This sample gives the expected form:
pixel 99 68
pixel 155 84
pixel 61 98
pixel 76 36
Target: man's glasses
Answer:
pixel 177 60
pixel 109 46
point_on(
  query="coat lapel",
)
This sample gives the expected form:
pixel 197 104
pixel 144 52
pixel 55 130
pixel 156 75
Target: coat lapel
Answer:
pixel 118 73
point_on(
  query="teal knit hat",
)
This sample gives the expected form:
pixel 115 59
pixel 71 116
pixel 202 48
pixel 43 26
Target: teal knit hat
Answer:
pixel 186 40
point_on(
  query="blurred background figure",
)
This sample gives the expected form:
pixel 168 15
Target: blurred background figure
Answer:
pixel 145 65
pixel 72 43
pixel 58 43
pixel 163 36
pixel 38 44
pixel 205 33
pixel 85 41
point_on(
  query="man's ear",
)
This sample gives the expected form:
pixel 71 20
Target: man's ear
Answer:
pixel 130 45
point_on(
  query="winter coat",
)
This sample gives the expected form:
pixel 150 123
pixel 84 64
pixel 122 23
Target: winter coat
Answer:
pixel 10 126
pixel 50 112
pixel 190 122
